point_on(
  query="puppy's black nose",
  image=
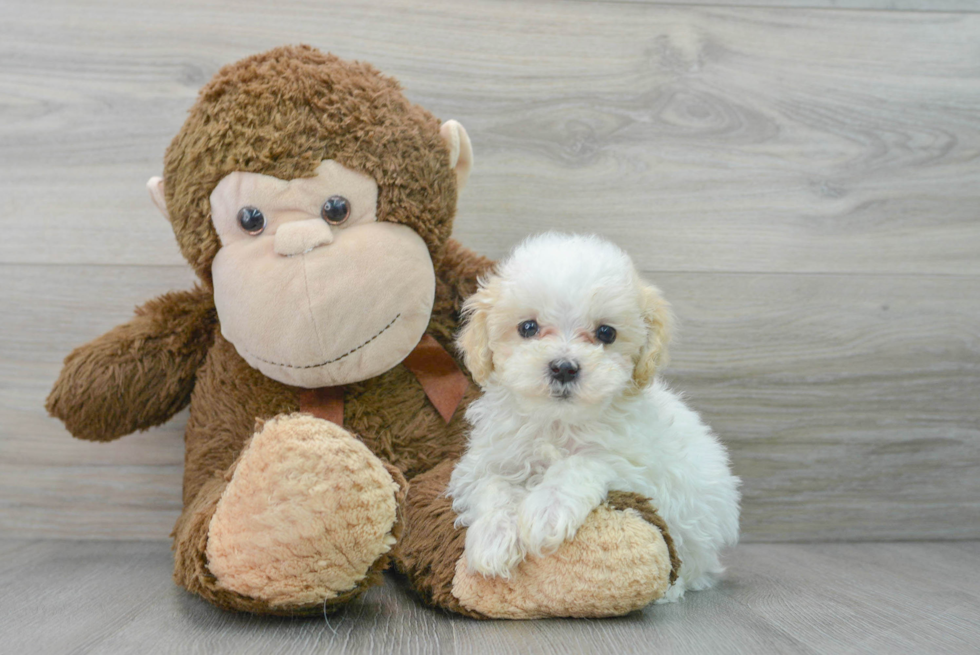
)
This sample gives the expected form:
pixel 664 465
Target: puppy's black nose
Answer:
pixel 563 371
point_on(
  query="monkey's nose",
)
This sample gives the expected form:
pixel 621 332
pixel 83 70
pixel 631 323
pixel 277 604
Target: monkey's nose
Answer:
pixel 563 371
pixel 298 237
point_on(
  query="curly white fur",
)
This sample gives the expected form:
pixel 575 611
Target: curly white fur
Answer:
pixel 543 454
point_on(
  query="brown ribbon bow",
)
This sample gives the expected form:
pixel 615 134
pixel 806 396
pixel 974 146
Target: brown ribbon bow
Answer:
pixel 435 369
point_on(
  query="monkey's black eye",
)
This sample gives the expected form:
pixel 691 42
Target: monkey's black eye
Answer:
pixel 605 333
pixel 335 210
pixel 528 329
pixel 252 220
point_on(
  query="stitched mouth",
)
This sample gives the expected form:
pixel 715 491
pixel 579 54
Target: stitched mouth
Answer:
pixel 335 359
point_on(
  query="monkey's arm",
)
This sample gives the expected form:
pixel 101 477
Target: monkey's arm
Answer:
pixel 138 374
pixel 461 268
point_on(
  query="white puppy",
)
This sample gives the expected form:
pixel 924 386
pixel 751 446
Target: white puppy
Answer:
pixel 566 340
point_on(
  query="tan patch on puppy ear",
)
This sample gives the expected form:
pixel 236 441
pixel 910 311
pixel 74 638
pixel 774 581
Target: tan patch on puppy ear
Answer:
pixel 474 338
pixel 155 186
pixel 659 321
pixel 460 151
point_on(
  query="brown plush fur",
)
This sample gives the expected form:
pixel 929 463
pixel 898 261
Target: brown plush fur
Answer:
pixel 139 374
pixel 278 113
pixel 281 113
pixel 389 413
pixel 430 548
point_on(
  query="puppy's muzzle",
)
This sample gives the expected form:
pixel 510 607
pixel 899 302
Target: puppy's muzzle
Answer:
pixel 563 371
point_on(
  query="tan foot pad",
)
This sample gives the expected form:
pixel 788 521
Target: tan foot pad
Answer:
pixel 617 563
pixel 308 510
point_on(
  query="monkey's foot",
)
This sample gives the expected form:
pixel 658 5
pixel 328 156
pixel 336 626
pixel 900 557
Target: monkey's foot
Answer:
pixel 621 559
pixel 309 516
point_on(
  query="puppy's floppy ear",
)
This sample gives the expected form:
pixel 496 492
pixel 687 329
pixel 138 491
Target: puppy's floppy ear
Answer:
pixel 474 339
pixel 659 322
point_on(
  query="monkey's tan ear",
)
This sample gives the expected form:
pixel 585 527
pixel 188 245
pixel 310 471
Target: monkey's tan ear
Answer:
pixel 155 186
pixel 659 322
pixel 474 339
pixel 460 151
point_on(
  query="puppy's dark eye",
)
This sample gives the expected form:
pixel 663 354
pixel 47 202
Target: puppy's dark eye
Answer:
pixel 252 220
pixel 605 333
pixel 335 210
pixel 528 329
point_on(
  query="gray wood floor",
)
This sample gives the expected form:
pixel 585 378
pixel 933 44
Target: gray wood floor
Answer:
pixel 87 596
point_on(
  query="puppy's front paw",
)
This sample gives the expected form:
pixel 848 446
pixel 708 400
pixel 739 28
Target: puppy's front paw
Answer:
pixel 547 519
pixel 493 546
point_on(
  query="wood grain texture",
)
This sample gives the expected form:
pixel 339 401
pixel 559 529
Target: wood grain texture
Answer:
pixel 847 402
pixel 801 182
pixel 80 597
pixel 970 6
pixel 721 139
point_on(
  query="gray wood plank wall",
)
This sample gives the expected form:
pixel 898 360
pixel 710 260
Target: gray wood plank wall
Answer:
pixel 802 181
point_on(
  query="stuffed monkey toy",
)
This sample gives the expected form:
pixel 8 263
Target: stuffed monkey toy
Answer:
pixel 315 203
